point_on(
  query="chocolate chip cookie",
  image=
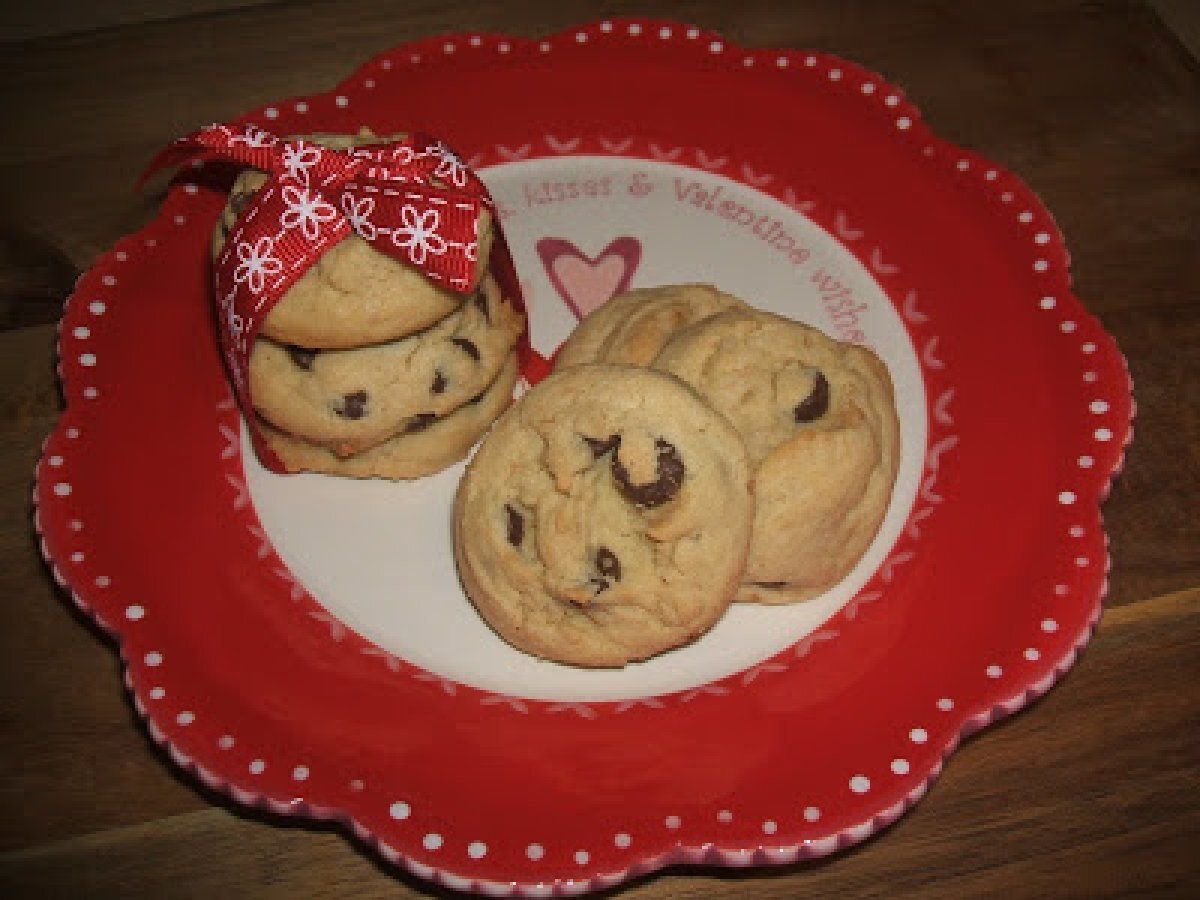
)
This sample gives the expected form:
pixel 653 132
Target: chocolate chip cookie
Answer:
pixel 351 400
pixel 818 418
pixel 353 294
pixel 605 518
pixel 632 327
pixel 427 445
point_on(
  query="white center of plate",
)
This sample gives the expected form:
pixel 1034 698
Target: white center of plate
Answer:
pixel 378 555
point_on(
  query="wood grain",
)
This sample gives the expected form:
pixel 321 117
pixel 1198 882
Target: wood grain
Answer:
pixel 1090 793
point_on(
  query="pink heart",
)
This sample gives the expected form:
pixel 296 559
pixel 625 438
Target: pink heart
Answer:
pixel 585 283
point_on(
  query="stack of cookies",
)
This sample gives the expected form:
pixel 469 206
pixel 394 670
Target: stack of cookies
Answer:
pixel 689 451
pixel 367 368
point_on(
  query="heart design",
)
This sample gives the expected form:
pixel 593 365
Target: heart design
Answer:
pixel 583 282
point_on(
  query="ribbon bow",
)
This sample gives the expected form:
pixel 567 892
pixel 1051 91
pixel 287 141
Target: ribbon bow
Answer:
pixel 413 199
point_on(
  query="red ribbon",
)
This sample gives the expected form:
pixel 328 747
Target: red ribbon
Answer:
pixel 413 199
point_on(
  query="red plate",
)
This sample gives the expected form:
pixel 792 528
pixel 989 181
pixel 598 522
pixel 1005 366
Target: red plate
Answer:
pixel 282 674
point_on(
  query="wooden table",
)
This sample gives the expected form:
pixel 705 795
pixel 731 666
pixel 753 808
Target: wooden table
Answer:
pixel 1092 792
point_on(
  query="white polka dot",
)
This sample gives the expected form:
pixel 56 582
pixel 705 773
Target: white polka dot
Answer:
pixel 811 814
pixel 300 773
pixel 1089 347
pixel 1041 238
pixel 1090 377
pixel 157 693
pixel 153 242
pixel 341 101
pixel 271 112
pixel 672 822
pixel 1032 654
pixel 1061 590
pixel 368 83
pixel 918 735
pixel 748 62
pixel 504 46
pixel 544 46
pixel 781 62
pixel 357 785
pixel 191 189
pixel 122 255
pixel 476 40
pixel 622 840
pixel 180 220
pixel 1067 327
pixel 301 106
pixel 810 61
pixel 77 557
pixel 187 717
pixel 226 742
pixel 62 489
pixel 82 332
pixel 724 816
pixel 1066 498
pixel 1049 626
pixel 1040 265
pixel 1047 303
pixel 432 841
pixel 535 851
pixel 582 857
pixel 835 74
pixel 1025 216
pixel 97 307
pixel 860 784
pixel 55 461
pixel 1006 197
pixel 1076 531
pixel 399 810
pixel 1103 434
pixel 477 849
pixel 91 393
pixel 716 47
pixel 1082 562
pixel 153 658
pixel 664 32
pixel 770 826
pixel 134 612
pixel 108 280
pixel 868 88
pixel 994 671
pixel 635 28
pixel 581 37
pixel 87 359
pixel 963 165
pixel 991 174
pixel 1086 462
pixel 693 33
pixel 257 767
pixel 891 100
pixel 903 123
pixel 72 433
pixel 900 766
pixel 102 581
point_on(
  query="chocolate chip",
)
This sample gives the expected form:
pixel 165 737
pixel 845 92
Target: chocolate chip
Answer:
pixel 419 422
pixel 600 446
pixel 600 584
pixel 670 472
pixel 480 301
pixel 468 347
pixel 238 201
pixel 439 382
pixel 607 564
pixel 516 525
pixel 302 356
pixel 354 406
pixel 816 404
